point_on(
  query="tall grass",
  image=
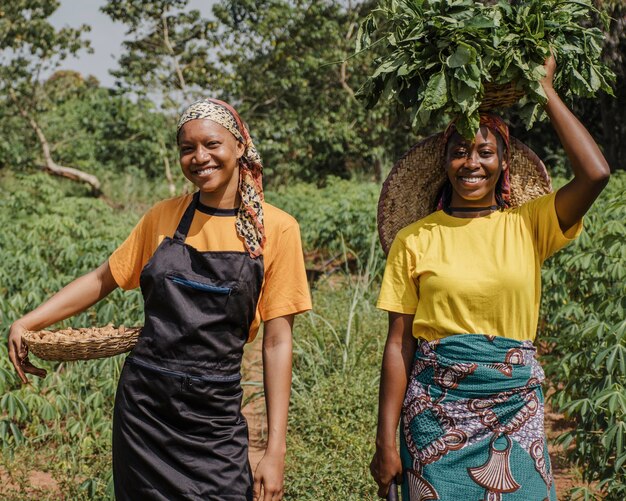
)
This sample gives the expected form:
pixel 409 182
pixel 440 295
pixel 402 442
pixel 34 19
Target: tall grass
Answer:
pixel 337 354
pixel 53 232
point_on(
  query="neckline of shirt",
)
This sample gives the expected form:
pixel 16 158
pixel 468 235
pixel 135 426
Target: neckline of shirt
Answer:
pixel 466 220
pixel 215 211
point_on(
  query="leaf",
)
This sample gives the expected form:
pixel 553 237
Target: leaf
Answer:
pixel 464 95
pixel 595 82
pixel 464 54
pixel 470 75
pixel 529 114
pixel 468 125
pixel 436 94
pixel 579 78
pixel 480 22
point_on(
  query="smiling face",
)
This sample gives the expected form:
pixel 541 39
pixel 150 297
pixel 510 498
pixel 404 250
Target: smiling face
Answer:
pixel 474 168
pixel 209 158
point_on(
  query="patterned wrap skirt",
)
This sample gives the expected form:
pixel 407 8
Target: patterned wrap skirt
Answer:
pixel 473 422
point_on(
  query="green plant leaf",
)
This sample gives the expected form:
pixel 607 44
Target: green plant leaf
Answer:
pixel 463 55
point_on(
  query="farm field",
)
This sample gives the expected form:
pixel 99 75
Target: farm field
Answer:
pixel 334 94
pixel 56 432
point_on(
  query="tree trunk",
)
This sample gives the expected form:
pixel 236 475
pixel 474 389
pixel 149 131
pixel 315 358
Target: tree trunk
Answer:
pixel 170 48
pixel 168 171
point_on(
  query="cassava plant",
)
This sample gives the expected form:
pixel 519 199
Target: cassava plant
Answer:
pixel 439 56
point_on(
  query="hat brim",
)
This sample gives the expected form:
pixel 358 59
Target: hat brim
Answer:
pixel 410 191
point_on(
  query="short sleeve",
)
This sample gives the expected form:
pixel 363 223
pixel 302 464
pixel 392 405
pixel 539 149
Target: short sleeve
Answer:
pixel 398 291
pixel 128 259
pixel 286 289
pixel 547 232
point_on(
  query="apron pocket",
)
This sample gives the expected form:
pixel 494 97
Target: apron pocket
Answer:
pixel 201 286
pixel 207 294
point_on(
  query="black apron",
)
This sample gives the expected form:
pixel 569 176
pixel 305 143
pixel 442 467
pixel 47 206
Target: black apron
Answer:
pixel 178 431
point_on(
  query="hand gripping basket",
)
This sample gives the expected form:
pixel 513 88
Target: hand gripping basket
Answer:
pixel 81 344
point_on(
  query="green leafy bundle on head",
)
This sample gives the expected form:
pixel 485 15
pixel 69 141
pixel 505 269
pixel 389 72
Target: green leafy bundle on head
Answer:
pixel 443 57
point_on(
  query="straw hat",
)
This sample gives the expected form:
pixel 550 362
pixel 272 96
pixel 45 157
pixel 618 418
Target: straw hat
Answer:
pixel 410 191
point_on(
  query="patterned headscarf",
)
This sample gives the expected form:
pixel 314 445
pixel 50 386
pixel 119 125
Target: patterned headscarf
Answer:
pixel 249 220
pixel 498 126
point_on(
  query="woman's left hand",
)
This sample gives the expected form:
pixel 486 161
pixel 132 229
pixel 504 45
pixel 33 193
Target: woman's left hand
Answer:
pixel 550 68
pixel 269 478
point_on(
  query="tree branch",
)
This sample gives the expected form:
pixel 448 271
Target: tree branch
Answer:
pixel 51 166
pixel 168 171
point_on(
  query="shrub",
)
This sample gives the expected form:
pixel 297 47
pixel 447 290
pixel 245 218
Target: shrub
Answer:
pixel 583 306
pixel 338 217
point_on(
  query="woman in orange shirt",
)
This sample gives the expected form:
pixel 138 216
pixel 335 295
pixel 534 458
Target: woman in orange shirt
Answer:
pixel 211 266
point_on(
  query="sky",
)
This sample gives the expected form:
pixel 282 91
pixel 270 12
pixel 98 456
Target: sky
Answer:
pixel 106 36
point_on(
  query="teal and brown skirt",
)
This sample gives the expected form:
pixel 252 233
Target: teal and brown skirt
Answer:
pixel 473 422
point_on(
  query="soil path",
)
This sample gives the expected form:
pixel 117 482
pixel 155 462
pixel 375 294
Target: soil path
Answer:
pixel 565 476
pixel 254 403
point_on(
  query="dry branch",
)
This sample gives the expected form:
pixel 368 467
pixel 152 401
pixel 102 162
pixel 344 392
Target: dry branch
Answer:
pixel 50 165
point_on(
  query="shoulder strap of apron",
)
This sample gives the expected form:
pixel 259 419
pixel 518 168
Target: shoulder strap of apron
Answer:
pixel 185 221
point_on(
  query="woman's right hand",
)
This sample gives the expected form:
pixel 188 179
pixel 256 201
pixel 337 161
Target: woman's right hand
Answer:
pixel 385 466
pixel 18 353
pixel 75 297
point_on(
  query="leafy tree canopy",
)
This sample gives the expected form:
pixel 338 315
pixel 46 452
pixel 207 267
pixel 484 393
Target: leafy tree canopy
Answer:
pixel 168 50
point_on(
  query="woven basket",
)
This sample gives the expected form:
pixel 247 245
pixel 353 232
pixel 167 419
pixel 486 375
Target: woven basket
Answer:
pixel 500 96
pixel 81 344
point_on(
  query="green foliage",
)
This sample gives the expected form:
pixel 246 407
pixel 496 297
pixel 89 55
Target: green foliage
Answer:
pixel 339 217
pixel 332 421
pixel 285 65
pixel 51 234
pixel 584 301
pixel 168 51
pixel 124 142
pixel 32 41
pixel 109 132
pixel 440 54
pixel 29 44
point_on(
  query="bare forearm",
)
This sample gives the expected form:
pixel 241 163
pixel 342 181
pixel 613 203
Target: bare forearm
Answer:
pixel 74 298
pixel 277 361
pixel 393 383
pixel 591 171
pixel 585 156
pixel 396 367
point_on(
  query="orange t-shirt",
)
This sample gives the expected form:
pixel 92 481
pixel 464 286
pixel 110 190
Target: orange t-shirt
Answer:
pixel 285 289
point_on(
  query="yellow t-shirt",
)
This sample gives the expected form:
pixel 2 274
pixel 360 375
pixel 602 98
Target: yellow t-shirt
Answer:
pixel 474 275
pixel 285 289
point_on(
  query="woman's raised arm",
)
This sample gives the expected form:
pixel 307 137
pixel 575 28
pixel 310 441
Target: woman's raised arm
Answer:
pixel 591 170
pixel 75 297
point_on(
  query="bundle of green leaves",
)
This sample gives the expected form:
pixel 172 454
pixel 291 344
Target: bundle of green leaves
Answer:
pixel 439 55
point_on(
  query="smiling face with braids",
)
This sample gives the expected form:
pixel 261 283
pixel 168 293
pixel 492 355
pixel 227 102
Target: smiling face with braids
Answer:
pixel 209 158
pixel 477 170
pixel 218 156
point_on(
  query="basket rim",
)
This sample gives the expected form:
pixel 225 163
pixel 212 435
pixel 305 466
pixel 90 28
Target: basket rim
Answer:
pixel 73 345
pixel 31 339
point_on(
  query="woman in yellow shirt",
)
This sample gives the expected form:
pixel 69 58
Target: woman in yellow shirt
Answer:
pixel 471 404
pixel 211 266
